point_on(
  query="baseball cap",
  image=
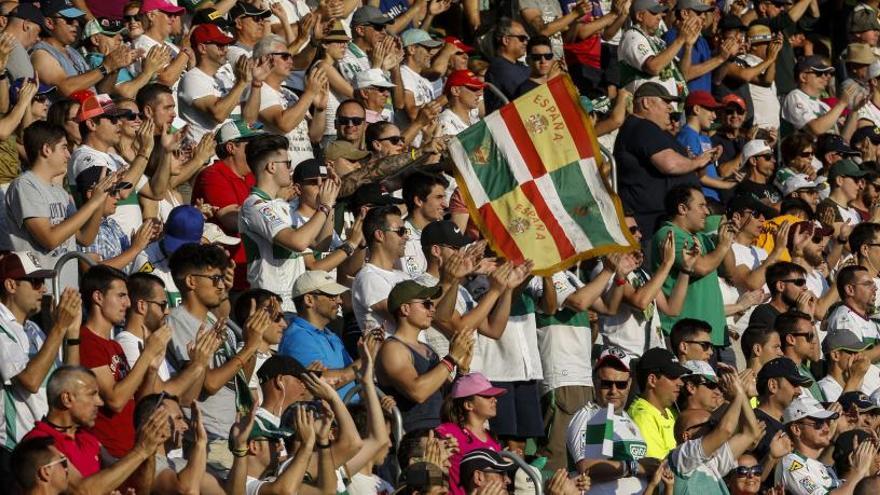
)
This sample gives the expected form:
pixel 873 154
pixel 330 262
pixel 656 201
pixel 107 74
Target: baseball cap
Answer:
pixel 843 340
pixel 210 33
pixel 421 476
pixel 828 143
pixel 845 168
pixel 369 15
pixel 372 78
pixel 16 85
pixel 309 169
pixel 472 384
pixel 864 20
pixel 734 99
pixel 703 99
pixel 185 225
pixel 464 78
pixel 759 33
pixel 445 233
pixel 730 22
pixel 211 16
pixel 344 149
pixel 813 63
pixel 243 9
pixel 755 147
pixel 652 6
pixel 452 40
pixel 484 460
pixel 805 406
pixel 657 90
pixel 866 132
pixel 162 6
pixel 613 355
pixel 702 369
pixel 23 264
pixel 28 12
pixel 743 202
pixel 797 182
pixel 782 367
pixel 408 290
pixel 418 37
pixel 103 25
pixel 238 130
pixel 372 194
pixel 90 176
pixel 859 53
pixel 316 281
pixel 277 365
pixel 92 105
pixel 63 8
pixel 695 5
pixel 214 235
pixel 856 399
pixel 660 360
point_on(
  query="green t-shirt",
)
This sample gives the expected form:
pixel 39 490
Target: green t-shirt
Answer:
pixel 703 300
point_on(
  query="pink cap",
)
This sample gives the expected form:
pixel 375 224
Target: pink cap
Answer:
pixel 472 384
pixel 161 5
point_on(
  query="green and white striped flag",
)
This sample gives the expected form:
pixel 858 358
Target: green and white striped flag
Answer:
pixel 599 435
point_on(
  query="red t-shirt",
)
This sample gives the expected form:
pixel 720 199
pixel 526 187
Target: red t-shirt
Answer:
pixel 587 51
pixel 114 430
pixel 220 186
pixel 83 450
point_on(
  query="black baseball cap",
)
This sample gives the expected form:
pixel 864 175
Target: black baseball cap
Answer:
pixel 813 63
pixel 743 202
pixel 446 233
pixel 856 399
pixel 309 169
pixel 29 12
pixel 372 194
pixel 280 365
pixel 211 16
pixel 659 360
pixel 827 143
pixel 782 367
pixel 866 132
pixel 485 460
pixel 87 179
pixel 730 22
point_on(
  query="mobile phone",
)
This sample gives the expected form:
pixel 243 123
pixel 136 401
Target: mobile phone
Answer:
pixel 315 406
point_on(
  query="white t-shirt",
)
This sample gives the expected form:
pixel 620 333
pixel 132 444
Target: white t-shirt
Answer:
pixel 144 43
pixel 799 108
pixel 701 473
pixel 629 328
pixel 196 84
pixel 844 318
pixel 804 476
pixel 300 146
pixel 565 344
pixel 235 51
pixel 870 112
pixel 634 50
pixel 423 92
pixel 452 124
pixel 764 99
pixel 132 345
pixel 413 261
pixel 371 285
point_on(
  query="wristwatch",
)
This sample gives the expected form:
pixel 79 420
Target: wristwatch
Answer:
pixel 103 70
pixel 347 248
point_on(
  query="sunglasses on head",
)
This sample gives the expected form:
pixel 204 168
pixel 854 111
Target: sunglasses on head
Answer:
pixel 746 471
pixel 541 56
pixel 349 120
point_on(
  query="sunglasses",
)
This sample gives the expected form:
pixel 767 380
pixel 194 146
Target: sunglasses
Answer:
pixel 349 120
pixel 799 282
pixel 817 424
pixel 808 336
pixel 522 37
pixel 541 56
pixel 130 18
pixel 401 231
pixel 766 156
pixel 131 116
pixel 163 305
pixel 707 384
pixel 427 303
pixel 746 471
pixel 392 139
pixel 609 384
pixel 736 110
pixel 284 55
pixel 36 283
pixel 806 154
pixel 704 344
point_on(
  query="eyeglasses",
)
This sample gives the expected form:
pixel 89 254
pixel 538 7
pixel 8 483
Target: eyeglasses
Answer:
pixel 41 98
pixel 163 305
pixel 392 139
pixel 36 283
pixel 287 163
pixel 800 282
pixel 609 384
pixel 61 460
pixel 130 18
pixel 350 120
pixel 284 55
pixel 817 424
pixel 746 471
pixel 704 344
pixel 522 37
pixel 808 336
pixel 216 280
pixel 427 303
pixel 541 56
pixel 401 231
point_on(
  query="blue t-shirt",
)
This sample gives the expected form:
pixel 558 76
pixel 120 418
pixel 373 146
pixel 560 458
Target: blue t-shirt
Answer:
pixel 393 8
pixel 697 144
pixel 305 343
pixel 96 59
pixel 699 54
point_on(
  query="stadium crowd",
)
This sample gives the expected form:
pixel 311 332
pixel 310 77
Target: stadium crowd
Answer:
pixel 236 259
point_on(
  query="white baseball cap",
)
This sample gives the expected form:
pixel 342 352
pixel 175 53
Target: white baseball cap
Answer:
pixel 314 281
pixel 797 182
pixel 214 235
pixel 371 78
pixel 753 148
pixel 806 406
pixel 701 368
pixel 614 354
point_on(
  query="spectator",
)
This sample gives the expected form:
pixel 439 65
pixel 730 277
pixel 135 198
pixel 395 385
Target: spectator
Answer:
pixel 40 468
pixel 844 178
pixel 372 90
pixel 801 109
pixel 759 162
pixel 103 37
pixel 697 61
pixel 505 72
pixel 760 72
pixel 690 340
pixel 700 107
pixel 465 93
pixel 788 291
pixel 658 376
pixel 645 57
pixel 24 24
pixel 425 198
pixel 800 343
pixel 248 23
pixel 848 369
pixel 544 64
pixel 156 18
pixel 759 346
pixel 700 390
pixel 484 468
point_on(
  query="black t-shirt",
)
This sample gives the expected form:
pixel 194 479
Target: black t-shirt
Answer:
pixel 785 63
pixel 525 87
pixel 640 184
pixel 729 149
pixel 764 316
pixel 506 76
pixel 773 425
pixel 765 193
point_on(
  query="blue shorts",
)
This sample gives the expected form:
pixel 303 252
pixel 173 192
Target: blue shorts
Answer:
pixel 519 411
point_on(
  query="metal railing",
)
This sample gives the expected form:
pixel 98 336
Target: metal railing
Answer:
pixel 59 265
pixel 530 471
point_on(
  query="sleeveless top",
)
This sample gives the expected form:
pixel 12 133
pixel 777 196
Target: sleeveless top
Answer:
pixel 70 60
pixel 427 414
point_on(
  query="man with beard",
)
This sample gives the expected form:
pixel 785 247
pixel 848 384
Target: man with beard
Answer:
pixel 628 470
pixel 778 384
pixel 787 284
pixel 857 291
pixel 105 295
pixel 745 263
pixel 863 243
pixel 635 327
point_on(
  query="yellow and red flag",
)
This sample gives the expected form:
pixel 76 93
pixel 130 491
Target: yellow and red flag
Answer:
pixel 529 174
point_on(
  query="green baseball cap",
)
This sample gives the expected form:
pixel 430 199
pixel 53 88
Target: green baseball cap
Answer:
pixel 238 129
pixel 408 290
pixel 845 168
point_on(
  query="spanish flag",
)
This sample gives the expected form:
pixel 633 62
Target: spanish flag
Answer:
pixel 529 174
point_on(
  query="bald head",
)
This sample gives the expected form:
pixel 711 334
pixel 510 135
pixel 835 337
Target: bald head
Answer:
pixel 66 379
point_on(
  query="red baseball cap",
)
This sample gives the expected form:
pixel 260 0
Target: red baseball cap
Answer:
pixel 23 264
pixel 703 99
pixel 452 40
pixel 733 99
pixel 464 78
pixel 210 33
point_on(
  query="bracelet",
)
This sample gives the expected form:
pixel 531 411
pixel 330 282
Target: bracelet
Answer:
pixel 689 273
pixel 141 155
pixel 256 84
pixel 321 446
pixel 620 281
pixel 103 70
pixel 239 452
pixel 71 341
pixel 447 361
pixel 325 209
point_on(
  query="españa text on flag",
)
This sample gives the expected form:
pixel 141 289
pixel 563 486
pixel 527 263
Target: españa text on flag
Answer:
pixel 530 176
